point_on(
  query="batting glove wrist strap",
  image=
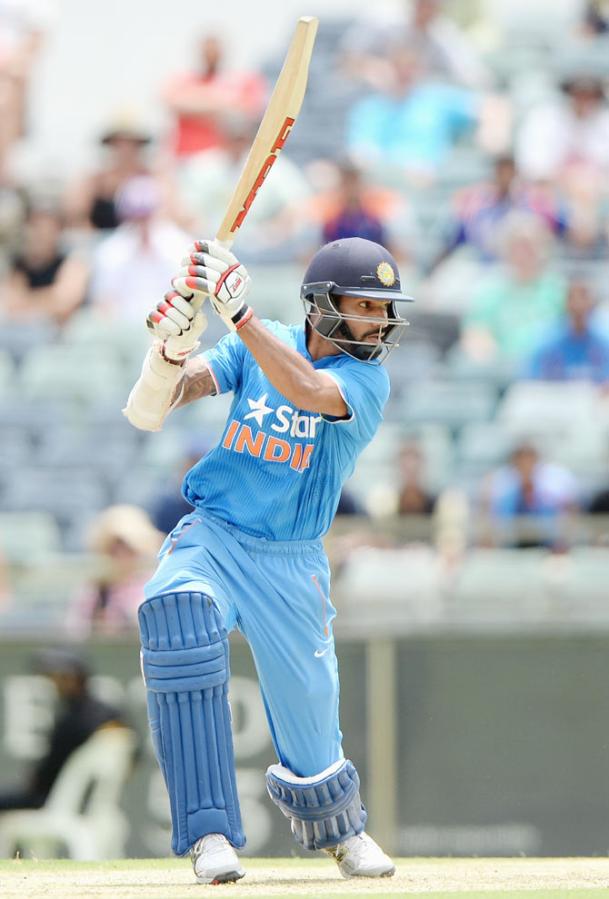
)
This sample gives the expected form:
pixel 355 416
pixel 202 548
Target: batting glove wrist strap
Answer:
pixel 242 317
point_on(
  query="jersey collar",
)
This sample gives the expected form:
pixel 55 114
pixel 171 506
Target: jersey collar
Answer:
pixel 301 344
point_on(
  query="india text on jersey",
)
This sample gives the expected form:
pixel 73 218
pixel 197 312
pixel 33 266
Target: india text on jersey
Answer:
pixel 240 437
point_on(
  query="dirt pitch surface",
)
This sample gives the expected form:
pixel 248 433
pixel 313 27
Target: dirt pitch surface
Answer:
pixel 577 878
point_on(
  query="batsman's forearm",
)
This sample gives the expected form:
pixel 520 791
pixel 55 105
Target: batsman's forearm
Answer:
pixel 197 382
pixel 290 374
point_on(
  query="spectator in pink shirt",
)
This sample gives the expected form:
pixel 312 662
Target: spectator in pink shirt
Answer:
pixel 126 543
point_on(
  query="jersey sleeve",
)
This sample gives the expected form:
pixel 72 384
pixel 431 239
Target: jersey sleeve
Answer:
pixel 225 362
pixel 365 390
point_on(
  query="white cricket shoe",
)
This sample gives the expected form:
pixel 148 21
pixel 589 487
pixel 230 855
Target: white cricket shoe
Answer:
pixel 214 860
pixel 360 856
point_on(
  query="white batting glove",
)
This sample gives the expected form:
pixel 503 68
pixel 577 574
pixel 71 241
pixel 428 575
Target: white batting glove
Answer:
pixel 178 323
pixel 210 270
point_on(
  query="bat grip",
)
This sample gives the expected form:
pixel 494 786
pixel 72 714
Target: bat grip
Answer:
pixel 227 244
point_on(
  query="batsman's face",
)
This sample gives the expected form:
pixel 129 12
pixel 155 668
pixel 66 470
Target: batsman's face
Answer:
pixel 374 315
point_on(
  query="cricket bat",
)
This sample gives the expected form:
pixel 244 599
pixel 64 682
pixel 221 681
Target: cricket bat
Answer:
pixel 275 127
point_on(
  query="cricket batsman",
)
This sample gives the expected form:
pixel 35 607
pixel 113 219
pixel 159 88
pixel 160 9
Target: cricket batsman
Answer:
pixel 306 401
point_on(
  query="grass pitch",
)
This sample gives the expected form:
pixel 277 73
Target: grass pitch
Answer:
pixel 579 878
pixel 287 878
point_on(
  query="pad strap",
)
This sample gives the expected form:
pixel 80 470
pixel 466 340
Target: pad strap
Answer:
pixel 324 809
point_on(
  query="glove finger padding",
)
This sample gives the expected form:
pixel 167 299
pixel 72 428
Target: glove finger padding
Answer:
pixel 203 259
pixel 180 346
pixel 199 288
pixel 216 250
pixel 184 307
pixel 182 321
pixel 161 326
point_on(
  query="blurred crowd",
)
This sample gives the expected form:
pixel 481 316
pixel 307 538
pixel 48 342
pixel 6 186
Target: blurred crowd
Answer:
pixel 420 131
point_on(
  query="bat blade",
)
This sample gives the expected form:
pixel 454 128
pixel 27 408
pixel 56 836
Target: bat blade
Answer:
pixel 276 124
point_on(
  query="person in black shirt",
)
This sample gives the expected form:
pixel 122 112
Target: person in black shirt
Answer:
pixel 79 715
pixel 44 280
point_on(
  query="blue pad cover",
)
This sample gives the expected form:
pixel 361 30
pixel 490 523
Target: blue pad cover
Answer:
pixel 185 665
pixel 323 811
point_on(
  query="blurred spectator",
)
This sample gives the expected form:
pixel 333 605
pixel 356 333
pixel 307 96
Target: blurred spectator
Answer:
pixel 353 215
pixel 586 204
pixel 413 497
pixel 126 542
pixel 443 47
pixel 92 203
pixel 557 139
pixel 482 209
pixel 348 504
pixel 22 27
pixel 596 18
pixel 79 716
pixel 135 264
pixel 347 203
pixel 511 308
pixel 599 504
pixel 5 589
pixel 277 229
pixel 199 100
pixel 412 122
pixel 44 281
pixel 528 487
pixel 577 351
pixel 13 209
pixel 169 506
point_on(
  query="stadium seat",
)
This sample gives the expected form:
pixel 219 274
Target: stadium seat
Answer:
pixel 482 446
pixel 15 447
pixel 7 373
pixel 583 587
pixel 141 486
pixel 448 403
pixel 88 330
pixel 401 585
pixel 106 452
pixel 84 374
pixel 535 407
pixel 495 586
pixel 24 535
pixel 19 341
pixel 44 587
pixel 276 292
pixel 82 814
pixel 62 492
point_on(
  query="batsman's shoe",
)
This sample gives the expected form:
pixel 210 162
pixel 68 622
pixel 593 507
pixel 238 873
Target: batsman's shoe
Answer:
pixel 214 860
pixel 360 856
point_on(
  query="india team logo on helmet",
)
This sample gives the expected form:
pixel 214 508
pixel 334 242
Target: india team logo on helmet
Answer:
pixel 385 274
pixel 354 267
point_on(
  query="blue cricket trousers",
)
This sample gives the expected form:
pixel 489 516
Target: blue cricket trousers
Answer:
pixel 277 595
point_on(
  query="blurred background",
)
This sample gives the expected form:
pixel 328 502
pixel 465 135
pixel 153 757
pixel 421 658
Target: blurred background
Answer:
pixel 470 555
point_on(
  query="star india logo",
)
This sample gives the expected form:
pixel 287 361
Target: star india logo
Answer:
pixel 239 437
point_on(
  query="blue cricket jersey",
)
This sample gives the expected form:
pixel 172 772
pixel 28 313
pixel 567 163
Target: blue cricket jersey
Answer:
pixel 277 471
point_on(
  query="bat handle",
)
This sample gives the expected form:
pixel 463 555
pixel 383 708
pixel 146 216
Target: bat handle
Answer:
pixel 227 244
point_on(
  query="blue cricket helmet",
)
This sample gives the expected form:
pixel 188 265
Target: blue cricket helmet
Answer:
pixel 354 267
